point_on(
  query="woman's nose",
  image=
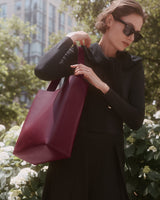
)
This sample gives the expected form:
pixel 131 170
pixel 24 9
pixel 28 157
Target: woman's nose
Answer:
pixel 131 37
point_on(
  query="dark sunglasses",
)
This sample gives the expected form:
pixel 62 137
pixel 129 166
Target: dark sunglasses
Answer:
pixel 129 30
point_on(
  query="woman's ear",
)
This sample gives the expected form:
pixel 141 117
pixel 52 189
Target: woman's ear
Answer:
pixel 109 20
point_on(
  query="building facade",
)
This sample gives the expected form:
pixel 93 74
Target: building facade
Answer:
pixel 46 15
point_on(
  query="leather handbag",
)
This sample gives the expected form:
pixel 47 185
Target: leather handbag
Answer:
pixel 50 127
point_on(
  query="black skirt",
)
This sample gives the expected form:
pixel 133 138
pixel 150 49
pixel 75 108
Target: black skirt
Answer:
pixel 94 171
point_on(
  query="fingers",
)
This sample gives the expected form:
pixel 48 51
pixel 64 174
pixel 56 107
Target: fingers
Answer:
pixel 91 77
pixel 80 37
pixel 88 42
pixel 81 69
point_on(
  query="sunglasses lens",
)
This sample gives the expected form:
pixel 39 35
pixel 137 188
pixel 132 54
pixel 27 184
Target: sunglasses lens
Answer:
pixel 137 37
pixel 128 30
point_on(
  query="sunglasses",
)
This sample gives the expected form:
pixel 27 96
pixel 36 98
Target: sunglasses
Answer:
pixel 129 30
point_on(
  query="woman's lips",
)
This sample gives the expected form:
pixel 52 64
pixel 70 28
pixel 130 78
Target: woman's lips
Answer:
pixel 126 44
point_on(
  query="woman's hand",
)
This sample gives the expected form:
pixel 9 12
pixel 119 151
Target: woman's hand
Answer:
pixel 81 37
pixel 91 77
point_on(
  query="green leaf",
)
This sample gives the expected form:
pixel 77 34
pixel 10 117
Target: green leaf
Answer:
pixel 154 190
pixel 149 156
pixel 129 151
pixel 154 176
pixel 141 148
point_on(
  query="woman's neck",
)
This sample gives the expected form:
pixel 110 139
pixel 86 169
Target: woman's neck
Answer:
pixel 107 48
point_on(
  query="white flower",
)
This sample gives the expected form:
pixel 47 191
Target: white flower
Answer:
pixel 12 135
pixel 148 122
pixel 2 128
pixel 157 115
pixel 45 168
pixel 152 148
pixel 13 195
pixel 3 156
pixel 8 149
pixel 23 163
pixel 23 176
pixel 1 144
pixel 154 102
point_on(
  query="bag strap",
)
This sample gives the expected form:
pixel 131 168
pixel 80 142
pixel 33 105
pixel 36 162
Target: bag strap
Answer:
pixel 80 55
pixel 53 84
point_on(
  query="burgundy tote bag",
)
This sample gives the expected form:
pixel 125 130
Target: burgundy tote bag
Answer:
pixel 50 127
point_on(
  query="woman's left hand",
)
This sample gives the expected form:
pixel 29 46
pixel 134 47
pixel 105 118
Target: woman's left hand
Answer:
pixel 90 76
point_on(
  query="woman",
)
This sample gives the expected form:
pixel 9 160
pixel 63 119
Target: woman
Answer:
pixel 115 95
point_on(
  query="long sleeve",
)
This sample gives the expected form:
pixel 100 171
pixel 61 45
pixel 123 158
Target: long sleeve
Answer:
pixel 56 62
pixel 131 111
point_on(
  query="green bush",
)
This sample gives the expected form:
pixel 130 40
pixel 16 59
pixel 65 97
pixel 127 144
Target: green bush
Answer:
pixel 142 150
pixel 21 180
pixel 18 179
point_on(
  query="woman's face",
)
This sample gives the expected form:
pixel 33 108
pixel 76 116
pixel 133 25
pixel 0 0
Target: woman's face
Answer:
pixel 115 35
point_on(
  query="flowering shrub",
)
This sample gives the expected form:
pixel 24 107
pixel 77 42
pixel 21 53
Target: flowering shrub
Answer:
pixel 21 180
pixel 142 150
pixel 18 179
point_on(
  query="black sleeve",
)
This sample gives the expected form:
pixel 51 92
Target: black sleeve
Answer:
pixel 56 62
pixel 131 112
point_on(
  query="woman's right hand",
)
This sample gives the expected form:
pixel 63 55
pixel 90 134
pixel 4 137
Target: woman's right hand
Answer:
pixel 81 37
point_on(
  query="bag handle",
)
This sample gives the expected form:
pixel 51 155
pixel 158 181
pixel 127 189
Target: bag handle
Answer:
pixel 53 84
pixel 80 55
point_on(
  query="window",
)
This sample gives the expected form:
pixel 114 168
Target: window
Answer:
pixel 34 4
pixel 70 24
pixel 3 10
pixel 52 18
pixel 38 4
pixel 34 17
pixel 39 19
pixel 26 49
pixel 36 48
pixel 36 60
pixel 27 4
pixel 69 21
pixel 62 22
pixel 39 34
pixel 27 17
pixel 52 10
pixel 18 5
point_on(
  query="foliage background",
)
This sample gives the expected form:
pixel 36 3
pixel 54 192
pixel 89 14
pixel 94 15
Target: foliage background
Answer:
pixel 16 76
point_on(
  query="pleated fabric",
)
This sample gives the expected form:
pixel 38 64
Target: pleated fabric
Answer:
pixel 94 171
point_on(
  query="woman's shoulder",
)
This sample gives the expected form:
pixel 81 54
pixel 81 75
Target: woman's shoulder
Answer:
pixel 125 55
pixel 129 61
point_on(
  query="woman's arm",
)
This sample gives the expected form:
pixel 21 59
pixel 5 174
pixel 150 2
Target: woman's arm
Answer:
pixel 131 112
pixel 56 63
pixel 60 61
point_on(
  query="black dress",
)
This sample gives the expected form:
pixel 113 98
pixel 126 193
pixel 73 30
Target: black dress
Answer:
pixel 95 170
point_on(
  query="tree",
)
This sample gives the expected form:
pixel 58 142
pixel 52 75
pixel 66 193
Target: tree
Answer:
pixel 149 50
pixel 16 76
pixel 86 11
